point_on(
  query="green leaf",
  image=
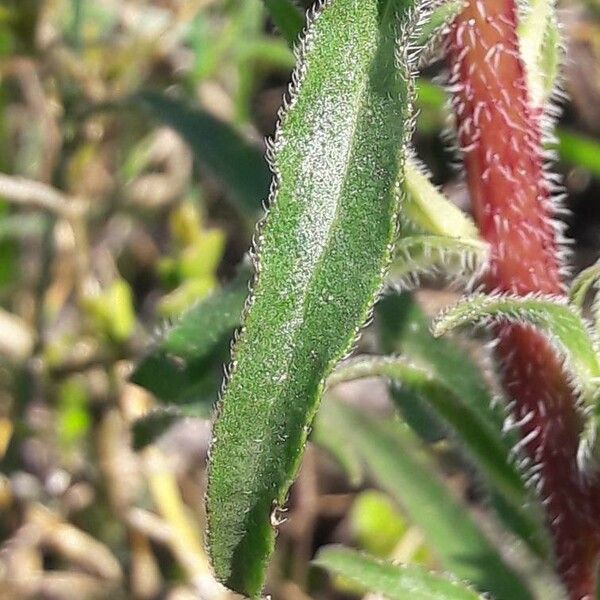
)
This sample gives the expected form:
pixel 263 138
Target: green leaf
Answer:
pixel 581 285
pixel 539 43
pixel 566 330
pixel 418 255
pixel 485 444
pixel 399 464
pixel 287 17
pixel 561 323
pixel 338 156
pixel 430 210
pixel 396 582
pixel 329 438
pixel 185 363
pixel 218 147
pixel 404 328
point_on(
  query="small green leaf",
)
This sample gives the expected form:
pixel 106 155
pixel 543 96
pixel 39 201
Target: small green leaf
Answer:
pixel 561 323
pixel 484 443
pixel 338 156
pixel 582 284
pixel 539 42
pixel 287 17
pixel 396 582
pixel 185 363
pixel 430 210
pixel 218 147
pixel 587 279
pixel 418 255
pixel 398 462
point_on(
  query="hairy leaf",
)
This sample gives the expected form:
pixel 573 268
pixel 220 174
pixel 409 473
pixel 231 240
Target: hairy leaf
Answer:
pixel 539 42
pixel 430 210
pixel 418 255
pixel 560 322
pixel 337 158
pixel 484 443
pixel 218 147
pixel 396 582
pixel 399 464
pixel 404 328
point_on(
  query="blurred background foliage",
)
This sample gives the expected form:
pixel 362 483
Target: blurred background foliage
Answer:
pixel 131 177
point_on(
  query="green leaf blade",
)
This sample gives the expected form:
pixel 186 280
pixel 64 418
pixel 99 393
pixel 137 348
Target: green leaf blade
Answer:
pixel 217 146
pixel 287 17
pixel 561 323
pixel 337 157
pixel 396 582
pixel 181 366
pixel 399 464
pixel 484 443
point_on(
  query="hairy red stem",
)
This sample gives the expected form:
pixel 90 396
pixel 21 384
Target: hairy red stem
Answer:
pixel 500 139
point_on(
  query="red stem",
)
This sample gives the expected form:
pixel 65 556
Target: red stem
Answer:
pixel 500 139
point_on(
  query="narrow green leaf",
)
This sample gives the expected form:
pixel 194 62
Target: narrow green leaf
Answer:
pixel 430 210
pixel 399 464
pixel 404 328
pixel 186 362
pixel 539 42
pixel 561 323
pixel 564 327
pixel 338 156
pixel 418 255
pixel 287 17
pixel 218 147
pixel 329 438
pixel 485 444
pixel 396 582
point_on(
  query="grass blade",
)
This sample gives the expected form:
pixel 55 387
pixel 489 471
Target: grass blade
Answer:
pixel 396 582
pixel 337 157
pixel 399 464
